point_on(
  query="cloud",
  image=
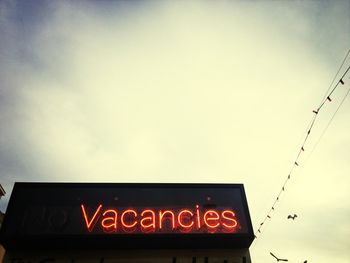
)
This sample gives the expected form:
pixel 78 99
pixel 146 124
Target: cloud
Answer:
pixel 178 92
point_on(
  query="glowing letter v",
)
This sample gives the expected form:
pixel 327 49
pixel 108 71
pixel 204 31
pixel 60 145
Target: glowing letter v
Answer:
pixel 90 224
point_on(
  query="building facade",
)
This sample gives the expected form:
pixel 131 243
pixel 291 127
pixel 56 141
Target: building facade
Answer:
pixel 170 223
pixel 2 215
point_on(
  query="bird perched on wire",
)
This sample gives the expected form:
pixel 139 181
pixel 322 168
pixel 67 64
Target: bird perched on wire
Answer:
pixel 292 216
pixel 278 259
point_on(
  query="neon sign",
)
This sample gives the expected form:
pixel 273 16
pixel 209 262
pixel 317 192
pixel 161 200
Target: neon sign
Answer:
pixel 159 221
pixel 84 215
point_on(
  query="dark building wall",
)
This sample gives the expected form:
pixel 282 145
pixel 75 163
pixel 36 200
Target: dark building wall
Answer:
pixel 2 250
pixel 129 256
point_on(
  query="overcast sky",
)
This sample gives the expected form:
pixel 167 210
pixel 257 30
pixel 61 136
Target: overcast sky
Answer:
pixel 181 91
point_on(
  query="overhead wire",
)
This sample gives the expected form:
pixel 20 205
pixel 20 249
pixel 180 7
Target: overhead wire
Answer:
pixel 327 97
pixel 336 74
pixel 330 121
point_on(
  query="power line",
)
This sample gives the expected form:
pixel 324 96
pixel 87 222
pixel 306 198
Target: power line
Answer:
pixel 326 98
pixel 329 122
pixel 336 74
pixel 329 95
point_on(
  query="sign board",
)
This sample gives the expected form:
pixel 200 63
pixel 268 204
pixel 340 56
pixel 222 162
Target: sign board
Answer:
pixel 138 216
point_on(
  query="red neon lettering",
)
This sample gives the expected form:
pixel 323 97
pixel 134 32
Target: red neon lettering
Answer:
pixel 162 214
pixel 198 217
pixel 145 221
pixel 151 219
pixel 122 218
pixel 111 219
pixel 229 215
pixel 211 215
pixel 190 216
pixel 90 224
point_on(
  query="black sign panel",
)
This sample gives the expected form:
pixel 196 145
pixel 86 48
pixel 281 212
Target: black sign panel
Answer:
pixel 101 215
